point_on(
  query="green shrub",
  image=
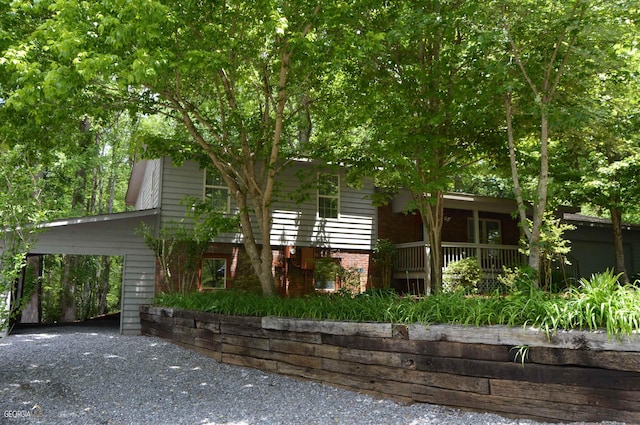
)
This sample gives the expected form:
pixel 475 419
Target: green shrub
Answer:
pixel 521 279
pixel 462 276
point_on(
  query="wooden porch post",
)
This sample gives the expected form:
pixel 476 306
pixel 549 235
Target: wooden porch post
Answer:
pixel 427 260
pixel 476 232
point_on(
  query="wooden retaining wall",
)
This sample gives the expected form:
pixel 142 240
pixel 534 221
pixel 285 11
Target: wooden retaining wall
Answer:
pixel 572 376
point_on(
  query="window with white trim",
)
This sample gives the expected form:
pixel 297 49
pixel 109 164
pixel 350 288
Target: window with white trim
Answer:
pixel 213 274
pixel 489 231
pixel 216 191
pixel 328 195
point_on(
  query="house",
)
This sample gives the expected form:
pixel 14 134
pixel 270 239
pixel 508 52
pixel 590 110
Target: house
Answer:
pixel 318 221
pixel 592 245
pixel 311 223
pixel 316 215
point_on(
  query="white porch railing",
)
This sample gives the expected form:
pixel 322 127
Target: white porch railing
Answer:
pixel 413 257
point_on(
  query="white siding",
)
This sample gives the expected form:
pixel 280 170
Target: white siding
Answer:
pixel 293 224
pixel 178 183
pixel 299 224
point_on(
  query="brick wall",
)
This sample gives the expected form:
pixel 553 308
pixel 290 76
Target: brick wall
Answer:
pixel 399 227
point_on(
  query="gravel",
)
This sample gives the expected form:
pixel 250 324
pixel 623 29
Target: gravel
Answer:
pixel 90 374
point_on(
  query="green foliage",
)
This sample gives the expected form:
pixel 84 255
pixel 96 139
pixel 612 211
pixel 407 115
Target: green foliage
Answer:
pixel 600 303
pixel 21 211
pixel 178 252
pixel 384 253
pixel 553 248
pixel 462 276
pixel 179 246
pixel 521 279
pixel 328 271
pixel 95 292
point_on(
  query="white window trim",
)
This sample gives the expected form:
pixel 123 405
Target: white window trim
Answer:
pixel 480 227
pixel 337 197
pixel 226 271
pixel 205 186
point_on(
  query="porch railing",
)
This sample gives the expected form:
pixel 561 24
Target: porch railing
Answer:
pixel 413 257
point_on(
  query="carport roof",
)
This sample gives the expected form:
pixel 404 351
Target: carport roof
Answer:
pixel 100 218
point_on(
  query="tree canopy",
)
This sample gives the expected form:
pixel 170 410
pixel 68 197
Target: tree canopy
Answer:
pixel 232 75
pixel 411 94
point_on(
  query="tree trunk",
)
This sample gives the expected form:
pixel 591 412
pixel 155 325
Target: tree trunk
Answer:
pixel 261 256
pixel 68 291
pixel 104 285
pixel 531 229
pixel 432 210
pixel 618 246
pixel 540 204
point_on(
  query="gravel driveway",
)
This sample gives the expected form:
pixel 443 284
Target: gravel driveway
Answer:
pixel 88 374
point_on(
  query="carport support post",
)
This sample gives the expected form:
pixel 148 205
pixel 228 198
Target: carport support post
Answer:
pixel 138 288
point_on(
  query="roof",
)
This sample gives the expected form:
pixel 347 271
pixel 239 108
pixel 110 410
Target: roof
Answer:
pixel 100 218
pixel 586 220
pixel 460 200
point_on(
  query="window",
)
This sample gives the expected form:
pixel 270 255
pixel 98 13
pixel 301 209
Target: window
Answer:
pixel 489 231
pixel 326 272
pixel 216 191
pixel 328 195
pixel 213 273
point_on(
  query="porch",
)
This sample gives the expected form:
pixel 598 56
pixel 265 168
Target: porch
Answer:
pixel 412 258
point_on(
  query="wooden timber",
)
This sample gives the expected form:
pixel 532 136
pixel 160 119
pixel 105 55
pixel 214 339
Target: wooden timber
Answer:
pixel 569 376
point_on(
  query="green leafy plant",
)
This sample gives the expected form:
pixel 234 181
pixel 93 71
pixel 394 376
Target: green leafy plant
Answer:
pixel 326 271
pixel 462 276
pixel 21 212
pixel 521 279
pixel 587 307
pixel 384 254
pixel 602 303
pixel 521 353
pixel 553 248
pixel 179 246
pixel 178 253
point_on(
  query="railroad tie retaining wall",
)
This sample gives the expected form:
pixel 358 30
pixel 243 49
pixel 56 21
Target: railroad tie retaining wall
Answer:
pixel 571 376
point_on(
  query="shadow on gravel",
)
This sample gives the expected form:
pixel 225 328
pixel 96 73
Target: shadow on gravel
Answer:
pixel 109 322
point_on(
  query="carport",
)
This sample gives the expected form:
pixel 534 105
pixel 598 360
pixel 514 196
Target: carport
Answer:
pixel 109 235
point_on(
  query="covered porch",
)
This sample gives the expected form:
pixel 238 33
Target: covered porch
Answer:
pixel 473 226
pixel 412 258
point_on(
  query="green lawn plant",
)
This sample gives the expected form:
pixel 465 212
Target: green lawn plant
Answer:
pixel 598 303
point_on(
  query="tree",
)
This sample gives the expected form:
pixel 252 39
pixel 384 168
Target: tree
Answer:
pixel 552 50
pixel 229 74
pixel 20 191
pixel 606 164
pixel 415 97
